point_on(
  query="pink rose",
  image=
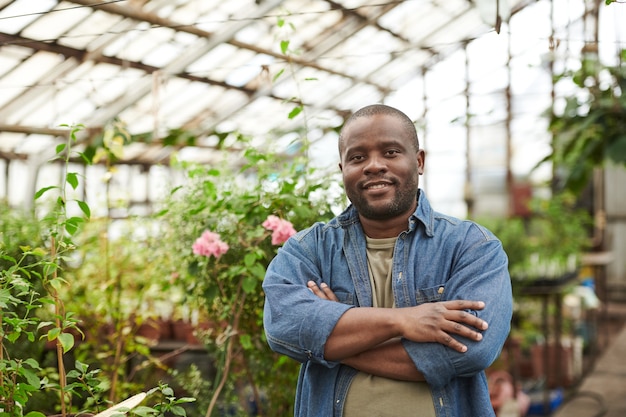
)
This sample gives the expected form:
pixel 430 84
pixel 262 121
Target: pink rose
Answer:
pixel 209 244
pixel 281 229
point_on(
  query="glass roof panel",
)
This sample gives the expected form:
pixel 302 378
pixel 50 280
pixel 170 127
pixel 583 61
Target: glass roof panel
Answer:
pixel 207 64
pixel 50 27
pixel 118 46
pixel 215 64
pixel 19 14
pixel 85 34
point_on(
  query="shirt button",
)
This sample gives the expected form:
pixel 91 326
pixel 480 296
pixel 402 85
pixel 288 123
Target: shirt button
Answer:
pixel 440 290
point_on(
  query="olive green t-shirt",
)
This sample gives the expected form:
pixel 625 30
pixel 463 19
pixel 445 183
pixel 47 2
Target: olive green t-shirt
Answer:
pixel 373 396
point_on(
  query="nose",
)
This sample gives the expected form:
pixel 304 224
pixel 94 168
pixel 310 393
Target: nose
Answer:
pixel 375 164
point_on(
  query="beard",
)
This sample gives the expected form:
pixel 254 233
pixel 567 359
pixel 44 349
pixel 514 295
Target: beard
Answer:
pixel 405 196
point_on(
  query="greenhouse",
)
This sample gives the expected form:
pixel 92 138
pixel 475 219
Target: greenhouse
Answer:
pixel 167 168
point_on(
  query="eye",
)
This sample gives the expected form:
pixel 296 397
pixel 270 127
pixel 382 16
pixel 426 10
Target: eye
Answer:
pixel 356 158
pixel 392 152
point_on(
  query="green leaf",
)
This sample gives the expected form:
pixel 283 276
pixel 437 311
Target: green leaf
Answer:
pixel 72 224
pixel 31 377
pixel 73 374
pixel 246 341
pixel 53 333
pixel 10 258
pixel 278 74
pixel 39 252
pixel 57 283
pixel 258 271
pixel 211 293
pixel 185 400
pixel 249 259
pixel 143 411
pixel 178 410
pixel 84 207
pixel 72 179
pixel 35 414
pixel 32 363
pixel 67 341
pixel 249 284
pixel 13 336
pixel 43 190
pixel 284 46
pixel 294 112
pixel 60 148
pixel 43 324
pixel 86 157
pixel 81 366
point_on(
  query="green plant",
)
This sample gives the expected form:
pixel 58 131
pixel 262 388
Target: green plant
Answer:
pixel 117 291
pixel 28 287
pixel 546 245
pixel 19 375
pixel 164 402
pixel 590 130
pixel 37 255
pixel 224 283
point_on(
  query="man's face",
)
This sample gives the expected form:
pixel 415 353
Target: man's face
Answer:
pixel 380 167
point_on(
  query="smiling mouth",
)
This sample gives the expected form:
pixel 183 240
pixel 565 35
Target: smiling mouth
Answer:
pixel 377 186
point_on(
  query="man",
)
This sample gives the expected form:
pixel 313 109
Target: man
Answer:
pixel 378 304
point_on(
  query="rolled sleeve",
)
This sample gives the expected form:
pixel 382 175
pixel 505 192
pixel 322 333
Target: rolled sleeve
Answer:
pixel 482 275
pixel 297 323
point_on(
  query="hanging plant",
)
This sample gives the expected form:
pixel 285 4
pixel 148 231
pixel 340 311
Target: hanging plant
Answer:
pixel 591 130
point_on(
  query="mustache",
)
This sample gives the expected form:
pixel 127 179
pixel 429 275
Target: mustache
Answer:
pixel 375 180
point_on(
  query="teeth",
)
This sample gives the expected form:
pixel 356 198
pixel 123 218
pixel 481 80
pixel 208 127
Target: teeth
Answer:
pixel 376 186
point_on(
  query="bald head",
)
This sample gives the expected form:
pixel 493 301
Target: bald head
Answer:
pixel 381 109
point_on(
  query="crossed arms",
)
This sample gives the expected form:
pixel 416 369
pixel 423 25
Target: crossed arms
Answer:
pixel 369 339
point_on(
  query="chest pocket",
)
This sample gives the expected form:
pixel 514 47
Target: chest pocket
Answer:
pixel 429 295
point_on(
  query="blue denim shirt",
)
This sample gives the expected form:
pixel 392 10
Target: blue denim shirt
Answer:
pixel 437 258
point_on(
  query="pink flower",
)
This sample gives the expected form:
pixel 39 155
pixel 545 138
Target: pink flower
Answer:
pixel 281 229
pixel 209 244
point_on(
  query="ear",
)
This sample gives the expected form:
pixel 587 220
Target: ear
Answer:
pixel 421 159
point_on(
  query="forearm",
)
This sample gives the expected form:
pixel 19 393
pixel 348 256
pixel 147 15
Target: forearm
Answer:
pixel 389 360
pixel 359 330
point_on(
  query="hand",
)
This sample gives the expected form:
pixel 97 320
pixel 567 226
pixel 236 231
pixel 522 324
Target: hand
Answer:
pixel 436 322
pixel 430 322
pixel 323 291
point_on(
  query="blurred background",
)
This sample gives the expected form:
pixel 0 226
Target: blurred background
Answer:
pixel 519 106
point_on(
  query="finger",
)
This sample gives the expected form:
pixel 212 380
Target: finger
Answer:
pixel 312 286
pixel 452 343
pixel 467 318
pixel 457 311
pixel 462 330
pixel 322 291
pixel 328 292
pixel 464 305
